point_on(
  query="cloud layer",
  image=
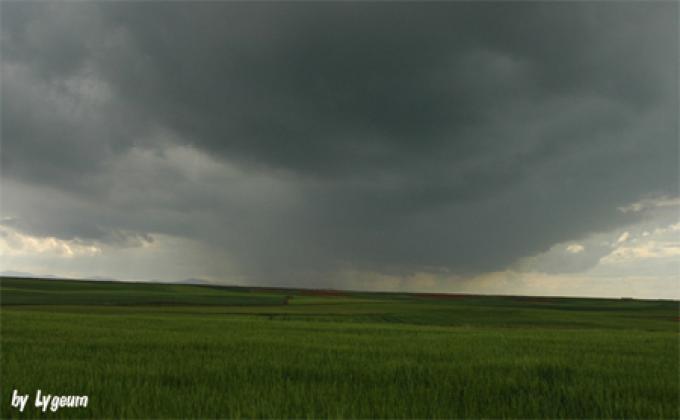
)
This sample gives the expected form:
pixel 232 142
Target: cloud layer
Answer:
pixel 301 139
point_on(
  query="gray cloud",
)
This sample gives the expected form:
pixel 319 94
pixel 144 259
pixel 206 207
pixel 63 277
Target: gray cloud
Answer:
pixel 302 137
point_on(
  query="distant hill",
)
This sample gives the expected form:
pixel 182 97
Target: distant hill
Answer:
pixel 24 274
pixel 192 281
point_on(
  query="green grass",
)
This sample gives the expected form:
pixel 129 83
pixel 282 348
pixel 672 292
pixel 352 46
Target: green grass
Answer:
pixel 180 351
pixel 69 292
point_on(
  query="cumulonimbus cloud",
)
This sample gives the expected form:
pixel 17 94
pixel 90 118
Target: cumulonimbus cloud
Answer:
pixel 304 137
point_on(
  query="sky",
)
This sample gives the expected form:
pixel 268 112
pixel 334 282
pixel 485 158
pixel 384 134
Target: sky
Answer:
pixel 498 148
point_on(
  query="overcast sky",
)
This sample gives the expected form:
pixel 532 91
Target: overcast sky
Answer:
pixel 516 148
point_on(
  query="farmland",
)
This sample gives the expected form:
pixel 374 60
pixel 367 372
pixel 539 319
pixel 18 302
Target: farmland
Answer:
pixel 169 350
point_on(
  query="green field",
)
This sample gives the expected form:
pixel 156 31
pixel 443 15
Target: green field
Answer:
pixel 160 350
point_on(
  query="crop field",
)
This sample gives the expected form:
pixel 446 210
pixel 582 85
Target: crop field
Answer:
pixel 169 350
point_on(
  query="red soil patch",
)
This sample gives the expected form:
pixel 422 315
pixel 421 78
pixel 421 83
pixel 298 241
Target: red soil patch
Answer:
pixel 441 296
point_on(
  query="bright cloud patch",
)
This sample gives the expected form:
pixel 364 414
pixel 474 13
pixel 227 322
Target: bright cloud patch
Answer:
pixel 650 204
pixel 648 249
pixel 623 237
pixel 13 243
pixel 575 248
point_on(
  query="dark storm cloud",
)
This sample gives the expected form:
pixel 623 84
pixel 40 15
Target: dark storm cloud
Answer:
pixel 395 137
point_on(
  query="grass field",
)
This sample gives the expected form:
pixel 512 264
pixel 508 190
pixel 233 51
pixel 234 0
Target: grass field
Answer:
pixel 152 350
